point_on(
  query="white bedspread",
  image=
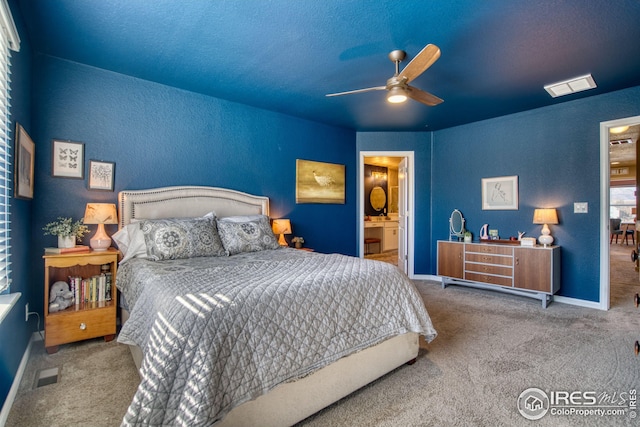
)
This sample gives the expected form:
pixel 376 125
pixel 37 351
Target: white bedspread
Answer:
pixel 216 332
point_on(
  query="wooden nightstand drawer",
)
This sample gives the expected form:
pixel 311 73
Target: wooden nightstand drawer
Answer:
pixel 65 327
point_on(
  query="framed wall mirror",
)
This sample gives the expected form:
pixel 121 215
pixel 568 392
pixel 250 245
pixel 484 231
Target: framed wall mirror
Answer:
pixel 378 198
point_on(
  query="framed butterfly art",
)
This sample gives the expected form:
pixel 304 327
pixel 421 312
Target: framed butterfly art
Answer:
pixel 67 159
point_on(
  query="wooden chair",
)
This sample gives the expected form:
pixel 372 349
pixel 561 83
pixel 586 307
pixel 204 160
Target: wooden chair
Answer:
pixel 614 229
pixel 630 230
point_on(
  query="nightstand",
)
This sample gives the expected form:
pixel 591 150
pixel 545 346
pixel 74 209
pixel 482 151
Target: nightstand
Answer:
pixel 92 316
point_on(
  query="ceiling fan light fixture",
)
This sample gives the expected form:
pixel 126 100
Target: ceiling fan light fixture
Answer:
pixel 396 95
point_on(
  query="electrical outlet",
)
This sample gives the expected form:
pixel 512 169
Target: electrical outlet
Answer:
pixel 26 312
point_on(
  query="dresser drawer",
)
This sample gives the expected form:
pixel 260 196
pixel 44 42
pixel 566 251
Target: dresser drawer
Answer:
pixel 65 327
pixel 490 249
pixel 489 259
pixel 489 269
pixel 485 278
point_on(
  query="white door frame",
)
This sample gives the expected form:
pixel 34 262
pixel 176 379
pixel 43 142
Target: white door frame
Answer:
pixel 410 201
pixel 605 291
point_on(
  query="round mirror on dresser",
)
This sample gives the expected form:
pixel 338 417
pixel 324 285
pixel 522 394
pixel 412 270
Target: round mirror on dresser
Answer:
pixel 378 198
pixel 456 225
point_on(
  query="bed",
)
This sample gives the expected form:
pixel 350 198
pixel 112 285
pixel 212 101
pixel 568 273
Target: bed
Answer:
pixel 211 349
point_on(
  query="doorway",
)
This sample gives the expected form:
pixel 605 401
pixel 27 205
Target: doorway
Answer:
pixel 606 170
pixel 399 192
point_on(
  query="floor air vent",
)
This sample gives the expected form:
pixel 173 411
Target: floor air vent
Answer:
pixel 47 376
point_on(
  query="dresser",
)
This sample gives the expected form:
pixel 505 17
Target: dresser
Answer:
pixel 532 272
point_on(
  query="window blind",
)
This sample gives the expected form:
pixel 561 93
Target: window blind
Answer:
pixel 9 40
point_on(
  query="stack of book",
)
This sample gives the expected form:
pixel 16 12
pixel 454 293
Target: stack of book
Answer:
pixel 95 289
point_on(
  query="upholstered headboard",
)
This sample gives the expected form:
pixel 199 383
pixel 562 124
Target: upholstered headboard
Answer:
pixel 186 202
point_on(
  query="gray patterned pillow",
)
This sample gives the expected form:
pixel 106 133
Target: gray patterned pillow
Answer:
pixel 176 238
pixel 251 233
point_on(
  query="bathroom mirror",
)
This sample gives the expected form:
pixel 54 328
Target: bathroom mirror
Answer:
pixel 378 198
pixel 456 225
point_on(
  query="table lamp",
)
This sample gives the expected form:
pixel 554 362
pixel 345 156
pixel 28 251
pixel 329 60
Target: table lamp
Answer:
pixel 101 214
pixel 545 216
pixel 281 227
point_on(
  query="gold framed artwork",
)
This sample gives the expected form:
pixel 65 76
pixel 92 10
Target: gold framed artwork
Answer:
pixel 319 182
pixel 24 167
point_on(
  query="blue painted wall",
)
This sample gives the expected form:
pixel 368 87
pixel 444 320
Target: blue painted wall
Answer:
pixel 162 136
pixel 14 331
pixel 555 151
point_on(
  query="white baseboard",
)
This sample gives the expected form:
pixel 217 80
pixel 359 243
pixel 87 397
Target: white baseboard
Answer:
pixel 13 392
pixel 427 277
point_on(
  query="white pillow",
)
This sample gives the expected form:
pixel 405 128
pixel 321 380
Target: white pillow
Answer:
pixel 130 241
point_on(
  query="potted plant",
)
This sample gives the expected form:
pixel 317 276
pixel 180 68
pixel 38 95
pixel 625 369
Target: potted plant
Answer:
pixel 68 231
pixel 297 241
pixel 467 236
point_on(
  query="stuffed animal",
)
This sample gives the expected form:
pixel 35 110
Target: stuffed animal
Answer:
pixel 60 297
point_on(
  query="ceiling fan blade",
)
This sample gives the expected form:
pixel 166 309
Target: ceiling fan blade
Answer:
pixel 421 62
pixel 422 96
pixel 369 89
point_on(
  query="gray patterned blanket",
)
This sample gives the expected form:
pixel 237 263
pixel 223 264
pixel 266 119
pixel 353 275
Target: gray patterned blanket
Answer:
pixel 216 332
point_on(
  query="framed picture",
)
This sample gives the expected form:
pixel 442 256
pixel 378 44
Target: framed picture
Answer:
pixel 101 175
pixel 67 159
pixel 318 182
pixel 500 193
pixel 25 151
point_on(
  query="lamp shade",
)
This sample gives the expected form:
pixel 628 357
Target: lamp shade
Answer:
pixel 100 213
pixel 281 227
pixel 545 216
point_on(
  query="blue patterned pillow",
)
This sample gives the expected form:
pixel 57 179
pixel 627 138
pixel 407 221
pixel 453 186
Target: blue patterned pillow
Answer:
pixel 177 238
pixel 246 234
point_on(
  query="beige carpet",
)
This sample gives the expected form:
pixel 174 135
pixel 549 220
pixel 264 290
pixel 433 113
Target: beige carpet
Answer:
pixel 490 348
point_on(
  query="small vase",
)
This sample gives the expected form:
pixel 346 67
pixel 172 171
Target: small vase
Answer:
pixel 66 241
pixel 298 245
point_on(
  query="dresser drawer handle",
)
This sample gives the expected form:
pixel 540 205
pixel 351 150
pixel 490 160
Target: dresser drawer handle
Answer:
pixel 83 326
pixel 637 347
pixel 636 300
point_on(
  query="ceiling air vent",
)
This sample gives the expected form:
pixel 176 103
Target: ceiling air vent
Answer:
pixel 574 85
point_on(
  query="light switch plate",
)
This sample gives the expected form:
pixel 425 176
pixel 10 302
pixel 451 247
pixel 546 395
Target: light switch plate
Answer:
pixel 581 207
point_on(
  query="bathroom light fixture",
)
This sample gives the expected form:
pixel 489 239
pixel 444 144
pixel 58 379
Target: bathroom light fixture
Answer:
pixel 281 227
pixel 545 216
pixel 396 95
pixel 379 175
pixel 101 214
pixel 574 85
pixel 619 129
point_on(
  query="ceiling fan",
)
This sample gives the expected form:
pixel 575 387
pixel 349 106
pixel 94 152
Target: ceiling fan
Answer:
pixel 398 85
